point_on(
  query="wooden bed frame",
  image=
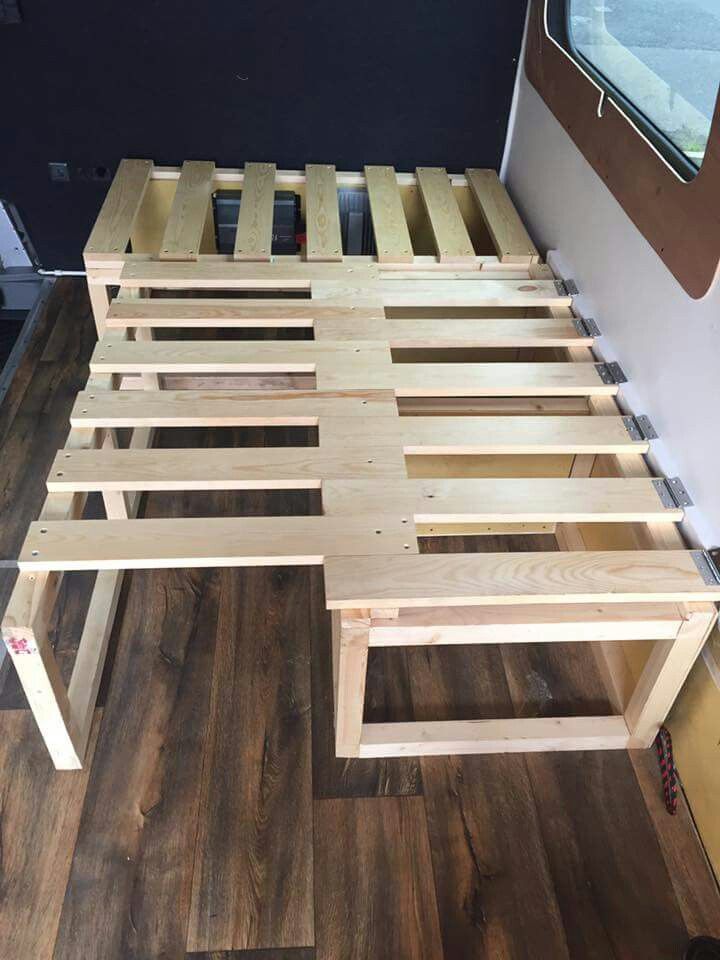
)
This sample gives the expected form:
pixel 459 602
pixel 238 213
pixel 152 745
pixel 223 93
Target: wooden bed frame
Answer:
pixel 521 433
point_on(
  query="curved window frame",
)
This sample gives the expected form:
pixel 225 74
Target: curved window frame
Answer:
pixel 679 218
pixel 558 27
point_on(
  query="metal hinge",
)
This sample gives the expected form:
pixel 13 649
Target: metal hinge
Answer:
pixel 640 428
pixel 586 327
pixel 611 372
pixel 707 568
pixel 566 288
pixel 672 493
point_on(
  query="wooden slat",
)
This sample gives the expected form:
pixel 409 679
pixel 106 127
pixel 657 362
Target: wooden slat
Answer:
pixel 279 275
pixel 208 542
pixel 437 435
pixel 161 312
pixel 337 323
pixel 253 240
pixel 396 292
pixel 517 735
pixel 230 408
pixel 204 356
pixel 453 332
pixel 322 215
pixel 334 284
pixel 224 407
pixel 189 211
pixel 492 578
pixel 507 231
pixel 392 237
pixel 380 478
pixel 479 379
pixel 351 365
pixel 217 312
pixel 452 240
pixel 114 224
pixel 511 500
pixel 266 468
pixel 487 435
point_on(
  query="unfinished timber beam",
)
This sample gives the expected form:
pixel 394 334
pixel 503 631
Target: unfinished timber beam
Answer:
pixel 507 231
pixel 392 237
pixel 189 212
pixel 253 240
pixel 452 240
pixel 521 735
pixel 427 580
pixel 65 715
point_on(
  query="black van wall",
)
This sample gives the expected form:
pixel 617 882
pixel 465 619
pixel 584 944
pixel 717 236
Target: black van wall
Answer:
pixel 405 82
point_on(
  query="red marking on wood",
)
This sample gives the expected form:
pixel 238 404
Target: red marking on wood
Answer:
pixel 19 645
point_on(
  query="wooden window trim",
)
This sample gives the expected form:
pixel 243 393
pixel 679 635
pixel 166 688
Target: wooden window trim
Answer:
pixel 679 219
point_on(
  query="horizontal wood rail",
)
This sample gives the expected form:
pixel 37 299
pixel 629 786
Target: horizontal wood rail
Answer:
pixel 532 623
pixel 492 736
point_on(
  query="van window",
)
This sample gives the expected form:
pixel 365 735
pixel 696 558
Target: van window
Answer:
pixel 660 59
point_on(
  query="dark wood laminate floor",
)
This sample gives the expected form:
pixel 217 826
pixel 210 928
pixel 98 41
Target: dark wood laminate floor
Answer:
pixel 214 821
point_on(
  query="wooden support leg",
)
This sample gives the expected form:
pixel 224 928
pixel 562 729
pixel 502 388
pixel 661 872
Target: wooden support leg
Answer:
pixel 117 503
pixel 100 302
pixel 90 660
pixel 65 717
pixel 569 536
pixel 150 381
pixel 92 651
pixel 27 643
pixel 665 672
pixel 350 656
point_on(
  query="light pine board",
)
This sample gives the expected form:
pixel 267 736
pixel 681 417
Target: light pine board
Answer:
pixel 112 229
pixel 452 240
pixel 322 214
pixel 189 212
pixel 392 237
pixel 253 240
pixel 507 231
pixel 208 542
pixel 462 579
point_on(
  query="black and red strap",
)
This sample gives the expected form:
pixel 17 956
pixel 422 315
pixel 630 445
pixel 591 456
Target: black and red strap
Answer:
pixel 663 745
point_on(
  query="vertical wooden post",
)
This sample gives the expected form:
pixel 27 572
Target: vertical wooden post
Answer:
pixel 150 381
pixel 100 303
pixel 350 655
pixel 24 632
pixel 664 674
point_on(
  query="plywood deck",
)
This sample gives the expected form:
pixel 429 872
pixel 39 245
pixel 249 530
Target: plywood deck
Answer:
pixel 214 820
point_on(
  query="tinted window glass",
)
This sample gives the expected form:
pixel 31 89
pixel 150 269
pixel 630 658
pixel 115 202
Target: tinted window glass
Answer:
pixel 664 57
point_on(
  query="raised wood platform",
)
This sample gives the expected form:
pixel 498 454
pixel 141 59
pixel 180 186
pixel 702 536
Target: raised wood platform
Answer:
pixel 451 394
